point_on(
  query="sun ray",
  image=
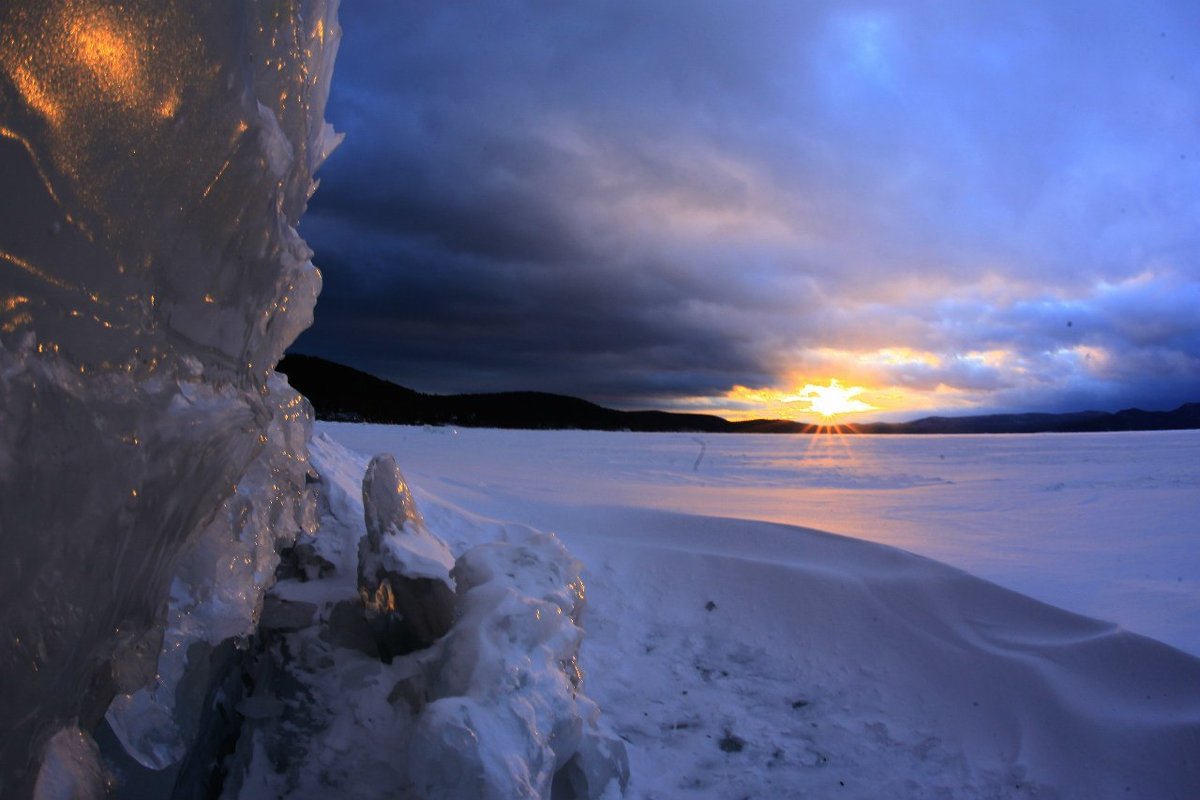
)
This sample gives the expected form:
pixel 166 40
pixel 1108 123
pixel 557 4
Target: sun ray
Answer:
pixel 830 401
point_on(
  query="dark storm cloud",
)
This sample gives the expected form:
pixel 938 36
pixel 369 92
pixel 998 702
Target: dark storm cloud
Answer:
pixel 644 203
pixel 508 326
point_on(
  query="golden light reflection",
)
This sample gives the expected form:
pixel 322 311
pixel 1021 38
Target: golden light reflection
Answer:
pixel 830 443
pixel 110 55
pixel 77 49
pixel 168 107
pixel 33 93
pixel 89 70
pixel 14 314
pixel 32 269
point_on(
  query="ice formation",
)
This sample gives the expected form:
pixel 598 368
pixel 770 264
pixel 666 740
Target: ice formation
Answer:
pixel 403 569
pixel 218 586
pixel 494 709
pixel 157 155
pixel 508 671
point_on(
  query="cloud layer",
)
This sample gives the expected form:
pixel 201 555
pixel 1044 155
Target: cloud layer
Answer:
pixel 651 204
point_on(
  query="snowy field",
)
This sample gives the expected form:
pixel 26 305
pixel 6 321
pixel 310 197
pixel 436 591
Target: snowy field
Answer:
pixel 1106 525
pixel 741 653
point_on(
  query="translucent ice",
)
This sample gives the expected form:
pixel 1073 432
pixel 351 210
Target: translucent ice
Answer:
pixel 396 539
pixel 73 770
pixel 403 569
pixel 218 587
pixel 157 155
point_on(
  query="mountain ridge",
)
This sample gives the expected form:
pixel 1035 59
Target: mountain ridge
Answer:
pixel 342 393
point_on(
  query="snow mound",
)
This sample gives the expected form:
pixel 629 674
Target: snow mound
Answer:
pixel 493 709
pixel 508 720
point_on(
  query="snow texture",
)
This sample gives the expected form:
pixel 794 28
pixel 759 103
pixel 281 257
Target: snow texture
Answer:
pixel 157 155
pixel 1104 525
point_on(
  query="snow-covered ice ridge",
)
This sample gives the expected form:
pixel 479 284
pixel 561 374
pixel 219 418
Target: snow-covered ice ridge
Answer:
pixel 492 709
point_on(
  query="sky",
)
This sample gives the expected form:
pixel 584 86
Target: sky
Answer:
pixel 724 206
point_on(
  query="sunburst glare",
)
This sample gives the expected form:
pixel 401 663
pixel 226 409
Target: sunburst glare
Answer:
pixel 830 401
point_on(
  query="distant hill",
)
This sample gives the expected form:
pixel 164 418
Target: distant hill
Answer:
pixel 1187 416
pixel 338 392
pixel 342 393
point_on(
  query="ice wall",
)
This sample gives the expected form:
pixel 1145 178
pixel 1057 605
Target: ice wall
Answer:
pixel 156 156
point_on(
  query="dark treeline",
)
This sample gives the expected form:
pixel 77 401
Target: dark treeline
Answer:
pixel 342 393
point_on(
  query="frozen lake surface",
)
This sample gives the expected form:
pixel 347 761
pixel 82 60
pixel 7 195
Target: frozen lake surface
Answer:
pixel 1105 525
pixel 737 651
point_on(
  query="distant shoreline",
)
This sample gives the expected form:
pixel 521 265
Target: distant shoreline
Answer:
pixel 343 394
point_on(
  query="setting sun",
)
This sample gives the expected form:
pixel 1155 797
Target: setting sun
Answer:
pixel 832 400
pixel 824 401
